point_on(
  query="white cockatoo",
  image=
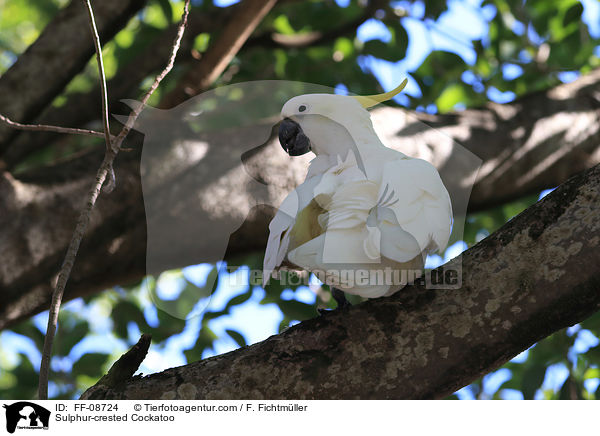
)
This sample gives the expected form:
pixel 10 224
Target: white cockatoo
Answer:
pixel 366 215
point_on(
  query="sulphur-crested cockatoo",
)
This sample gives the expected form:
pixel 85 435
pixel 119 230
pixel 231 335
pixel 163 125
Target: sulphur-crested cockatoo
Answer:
pixel 366 215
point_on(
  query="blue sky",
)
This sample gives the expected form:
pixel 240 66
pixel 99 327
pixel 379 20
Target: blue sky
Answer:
pixel 453 31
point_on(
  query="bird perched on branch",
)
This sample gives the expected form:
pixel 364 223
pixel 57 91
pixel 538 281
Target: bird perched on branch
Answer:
pixel 366 215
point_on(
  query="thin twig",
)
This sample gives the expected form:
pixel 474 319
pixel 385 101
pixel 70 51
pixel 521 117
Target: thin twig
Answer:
pixel 84 217
pixel 46 128
pixel 136 112
pixel 96 38
pixel 110 184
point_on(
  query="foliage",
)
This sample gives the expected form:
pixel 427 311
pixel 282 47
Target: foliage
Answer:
pixel 523 47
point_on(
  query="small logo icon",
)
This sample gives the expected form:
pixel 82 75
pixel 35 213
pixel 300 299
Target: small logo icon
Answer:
pixel 26 415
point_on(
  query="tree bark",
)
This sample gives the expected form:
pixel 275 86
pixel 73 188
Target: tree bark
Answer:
pixel 537 274
pixel 533 143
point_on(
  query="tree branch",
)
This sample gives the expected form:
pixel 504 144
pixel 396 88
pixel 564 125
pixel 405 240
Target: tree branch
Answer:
pixel 422 343
pixel 245 19
pixel 46 128
pixel 533 143
pixel 104 96
pixel 84 217
pixel 110 185
pixel 124 368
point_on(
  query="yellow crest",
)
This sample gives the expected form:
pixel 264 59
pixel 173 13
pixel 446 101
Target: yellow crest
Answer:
pixel 368 101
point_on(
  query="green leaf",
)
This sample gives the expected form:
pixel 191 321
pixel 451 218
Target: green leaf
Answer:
pixel 399 39
pixel 565 54
pixel 201 42
pixel 516 379
pixel 91 364
pixel 29 330
pixel 592 324
pixel 533 377
pixel 282 25
pixel 570 390
pixel 168 326
pixel 344 46
pixel 193 354
pixel 207 316
pixel 297 310
pixel 27 380
pixel 190 297
pixel 273 292
pixel 434 8
pixel 69 336
pixel 453 94
pixel 593 355
pixel 165 6
pixel 379 49
pixel 238 299
pixel 591 373
pixel 154 15
pixel 237 337
pixel 205 340
pixel 125 312
pixel 573 14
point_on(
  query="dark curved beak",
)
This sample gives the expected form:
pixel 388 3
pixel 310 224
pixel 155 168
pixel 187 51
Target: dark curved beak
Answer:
pixel 292 138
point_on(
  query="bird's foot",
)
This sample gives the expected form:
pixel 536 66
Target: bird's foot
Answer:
pixel 340 299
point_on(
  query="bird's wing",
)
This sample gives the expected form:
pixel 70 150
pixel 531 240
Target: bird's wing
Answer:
pixel 283 224
pixel 423 207
pixel 279 236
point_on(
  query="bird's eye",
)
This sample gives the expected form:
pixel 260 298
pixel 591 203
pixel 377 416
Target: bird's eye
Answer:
pixel 302 108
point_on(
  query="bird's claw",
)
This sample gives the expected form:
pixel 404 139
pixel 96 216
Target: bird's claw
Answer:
pixel 341 300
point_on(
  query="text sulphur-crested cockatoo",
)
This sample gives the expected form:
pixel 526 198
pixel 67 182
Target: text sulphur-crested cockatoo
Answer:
pixel 366 215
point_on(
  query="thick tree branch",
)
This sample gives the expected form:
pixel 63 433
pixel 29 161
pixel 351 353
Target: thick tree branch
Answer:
pixel 239 28
pixel 421 343
pixel 533 143
pixel 124 368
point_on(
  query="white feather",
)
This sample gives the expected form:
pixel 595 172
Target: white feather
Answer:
pixel 382 208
